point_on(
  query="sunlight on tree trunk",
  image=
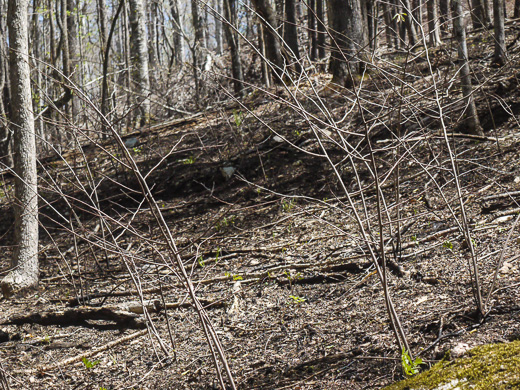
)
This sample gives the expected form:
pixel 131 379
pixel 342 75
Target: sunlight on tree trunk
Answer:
pixel 24 274
pixel 139 53
pixel 5 134
pixel 472 123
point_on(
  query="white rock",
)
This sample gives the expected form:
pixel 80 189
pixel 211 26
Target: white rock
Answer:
pixel 459 350
pixel 227 172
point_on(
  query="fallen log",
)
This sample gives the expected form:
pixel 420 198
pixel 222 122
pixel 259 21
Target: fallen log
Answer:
pixel 79 316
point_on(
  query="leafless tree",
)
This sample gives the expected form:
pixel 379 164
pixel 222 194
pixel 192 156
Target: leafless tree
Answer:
pixel 139 54
pixel 499 58
pixel 349 40
pixel 24 273
pixel 472 123
pixel 5 134
pixel 269 35
pixel 291 34
pixel 232 38
pixel 433 22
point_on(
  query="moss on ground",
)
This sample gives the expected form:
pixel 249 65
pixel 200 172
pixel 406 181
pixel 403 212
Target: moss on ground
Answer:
pixel 493 366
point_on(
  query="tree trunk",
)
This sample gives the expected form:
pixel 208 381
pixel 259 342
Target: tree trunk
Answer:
pixel 443 16
pixel 125 34
pixel 320 16
pixel 159 26
pixel 5 134
pixel 433 23
pixel 409 23
pixel 63 101
pixel 487 14
pixel 477 13
pixel 53 55
pixel 401 26
pixel 417 11
pixel 371 11
pixel 196 49
pixel 24 274
pixel 177 32
pixel 311 29
pixel 266 76
pixel 291 34
pixel 205 28
pixel 106 57
pixel 271 43
pixel 391 28
pixel 471 121
pixel 500 35
pixel 102 21
pixel 217 4
pixel 73 57
pixel 139 54
pixel 345 20
pixel 153 54
pixel 230 24
pixel 37 36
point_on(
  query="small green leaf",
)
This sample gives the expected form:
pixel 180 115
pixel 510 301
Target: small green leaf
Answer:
pixel 297 299
pixel 88 363
pixel 447 244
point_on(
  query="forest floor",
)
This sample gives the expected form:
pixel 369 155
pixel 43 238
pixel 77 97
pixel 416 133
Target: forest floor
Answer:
pixel 292 295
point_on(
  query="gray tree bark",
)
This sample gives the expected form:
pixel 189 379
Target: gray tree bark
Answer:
pixel 230 24
pixel 290 35
pixel 139 59
pixel 417 11
pixel 217 4
pixel 311 29
pixel 500 34
pixel 391 28
pixel 433 23
pixel 153 53
pixel 409 23
pixel 177 32
pixel 128 74
pixel 443 16
pixel 471 121
pixel 24 274
pixel 73 55
pixel 321 33
pixel 63 100
pixel 5 134
pixel 102 21
pixel 372 21
pixel 478 13
pixel 487 14
pixel 196 49
pixel 266 76
pixel 52 32
pixel 271 43
pixel 348 39
pixel 106 57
